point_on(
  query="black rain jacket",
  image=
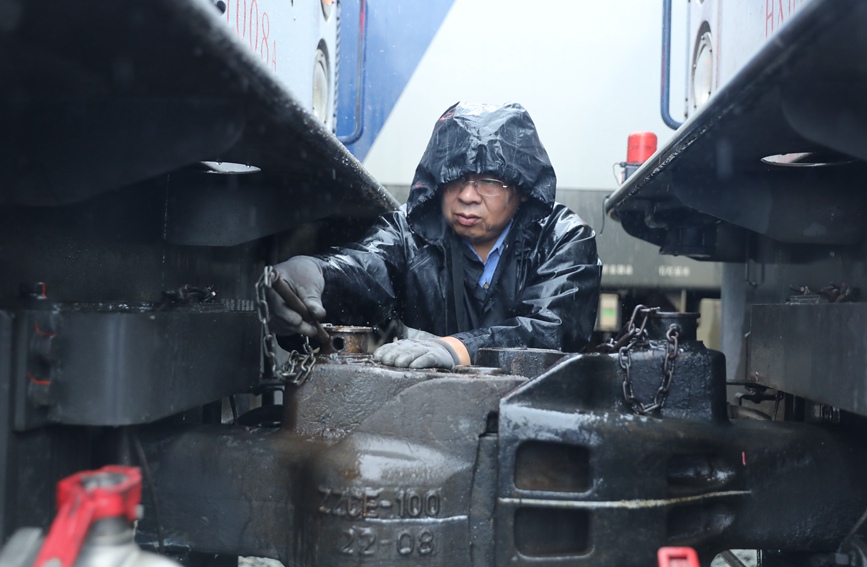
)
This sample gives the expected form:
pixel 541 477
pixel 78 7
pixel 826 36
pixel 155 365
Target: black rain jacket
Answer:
pixel 545 292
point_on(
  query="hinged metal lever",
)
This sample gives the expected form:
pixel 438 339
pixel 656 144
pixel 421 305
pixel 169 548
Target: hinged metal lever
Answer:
pixel 82 500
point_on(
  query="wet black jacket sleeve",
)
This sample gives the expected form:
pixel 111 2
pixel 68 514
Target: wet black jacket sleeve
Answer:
pixel 362 286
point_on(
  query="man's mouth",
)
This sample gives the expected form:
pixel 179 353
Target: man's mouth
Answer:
pixel 467 220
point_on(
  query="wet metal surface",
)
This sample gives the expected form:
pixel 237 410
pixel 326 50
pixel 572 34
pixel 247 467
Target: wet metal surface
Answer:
pixel 349 340
pixel 385 466
pixel 95 364
pixel 785 344
pixel 578 480
pixel 379 464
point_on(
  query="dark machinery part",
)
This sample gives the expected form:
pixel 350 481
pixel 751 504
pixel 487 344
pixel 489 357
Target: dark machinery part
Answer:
pixel 111 364
pixel 790 346
pixel 87 117
pixel 767 177
pixel 349 339
pixel 536 458
pixel 783 225
pixel 379 466
pixel 147 256
pixel 708 188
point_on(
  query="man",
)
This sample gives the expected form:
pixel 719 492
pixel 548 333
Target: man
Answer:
pixel 480 255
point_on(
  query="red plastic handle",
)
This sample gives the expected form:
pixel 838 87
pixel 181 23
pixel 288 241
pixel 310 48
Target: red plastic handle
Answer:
pixel 677 557
pixel 83 499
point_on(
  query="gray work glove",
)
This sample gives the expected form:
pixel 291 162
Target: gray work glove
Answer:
pixel 417 353
pixel 404 332
pixel 303 276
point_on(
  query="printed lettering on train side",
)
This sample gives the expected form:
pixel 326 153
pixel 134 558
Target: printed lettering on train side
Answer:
pixel 778 11
pixel 252 23
pixel 617 270
pixel 674 271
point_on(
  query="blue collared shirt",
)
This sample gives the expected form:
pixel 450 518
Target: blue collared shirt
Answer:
pixel 493 257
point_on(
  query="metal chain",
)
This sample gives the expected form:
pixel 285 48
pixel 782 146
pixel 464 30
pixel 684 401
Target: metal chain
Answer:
pixel 632 333
pixel 298 365
pixel 632 336
pixel 671 351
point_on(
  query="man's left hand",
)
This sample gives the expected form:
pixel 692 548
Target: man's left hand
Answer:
pixel 417 353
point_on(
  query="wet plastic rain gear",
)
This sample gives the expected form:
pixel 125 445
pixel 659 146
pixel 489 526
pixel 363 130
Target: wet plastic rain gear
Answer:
pixel 545 291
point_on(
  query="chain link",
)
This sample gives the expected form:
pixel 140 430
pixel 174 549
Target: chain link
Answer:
pixel 671 351
pixel 635 334
pixel 298 365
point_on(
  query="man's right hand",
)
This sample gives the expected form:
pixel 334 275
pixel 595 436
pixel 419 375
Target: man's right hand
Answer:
pixel 304 278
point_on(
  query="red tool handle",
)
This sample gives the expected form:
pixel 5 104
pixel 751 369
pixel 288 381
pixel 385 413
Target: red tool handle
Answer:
pixel 677 557
pixel 83 499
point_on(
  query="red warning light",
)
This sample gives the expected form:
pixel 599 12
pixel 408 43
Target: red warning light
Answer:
pixel 640 146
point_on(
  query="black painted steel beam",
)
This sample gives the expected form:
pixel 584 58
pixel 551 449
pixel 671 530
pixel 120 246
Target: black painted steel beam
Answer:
pixel 803 92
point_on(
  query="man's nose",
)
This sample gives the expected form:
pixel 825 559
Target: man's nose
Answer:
pixel 468 193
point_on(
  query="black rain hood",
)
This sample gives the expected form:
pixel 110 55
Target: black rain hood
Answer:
pixel 481 138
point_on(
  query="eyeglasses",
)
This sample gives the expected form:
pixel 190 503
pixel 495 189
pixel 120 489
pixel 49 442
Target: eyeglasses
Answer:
pixel 487 187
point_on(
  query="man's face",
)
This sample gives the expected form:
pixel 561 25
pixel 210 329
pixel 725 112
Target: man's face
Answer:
pixel 478 208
